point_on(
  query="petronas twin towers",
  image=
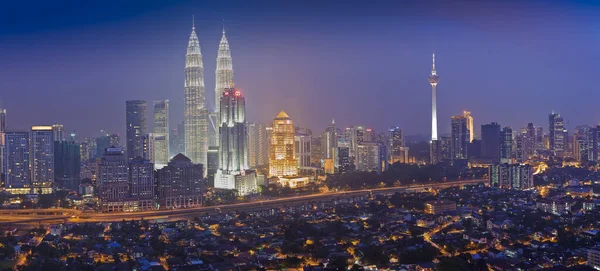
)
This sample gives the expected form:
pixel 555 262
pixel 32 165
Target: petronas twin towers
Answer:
pixel 200 123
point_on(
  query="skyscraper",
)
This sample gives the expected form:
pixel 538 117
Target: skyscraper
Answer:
pixel 180 183
pixel 16 164
pixel 136 128
pixel 460 138
pixel 557 134
pixel 398 153
pixel 113 187
pixel 369 157
pixel 257 145
pixel 58 132
pixel 282 157
pixel 470 125
pixel 490 142
pixel 42 162
pixel 160 137
pixel 329 143
pixel 195 111
pixel 177 140
pixel 67 164
pixel 233 170
pixel 506 145
pixel 224 76
pixel 345 165
pixel 141 185
pixel 303 150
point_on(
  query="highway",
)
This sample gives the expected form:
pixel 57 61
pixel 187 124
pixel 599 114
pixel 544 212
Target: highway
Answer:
pixel 33 217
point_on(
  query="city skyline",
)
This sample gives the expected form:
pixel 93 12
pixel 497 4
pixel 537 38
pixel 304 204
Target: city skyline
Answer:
pixel 466 85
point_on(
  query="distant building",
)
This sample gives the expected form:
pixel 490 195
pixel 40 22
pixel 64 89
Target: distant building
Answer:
pixel 180 183
pixel 371 157
pixel 460 138
pixel 506 145
pixel 329 143
pixel 282 157
pixel 141 185
pixel 398 152
pixel 113 186
pixel 490 142
pixel 302 145
pixel 16 163
pixel 470 125
pixel 514 176
pixel 556 134
pixel 58 132
pixel 67 164
pixel 257 145
pixel 160 135
pixel 135 117
pixel 42 159
pixel 212 161
pixel 177 140
pixel 436 207
pixel 345 165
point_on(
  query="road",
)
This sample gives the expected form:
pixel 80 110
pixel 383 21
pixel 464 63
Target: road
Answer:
pixel 24 218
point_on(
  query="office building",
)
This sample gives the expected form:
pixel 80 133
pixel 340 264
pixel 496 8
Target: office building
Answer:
pixel 329 142
pixel 282 157
pixel 67 164
pixel 135 117
pixel 180 183
pixel 302 143
pixel 195 111
pixel 490 142
pixel 470 125
pixel 316 154
pixel 436 207
pixel 42 159
pixel 506 145
pixel 556 134
pixel 160 137
pixel 345 165
pixel 257 145
pixel 17 174
pixel 398 152
pixel 459 138
pixel 212 164
pixel 141 185
pixel 370 156
pixel 58 132
pixel 113 178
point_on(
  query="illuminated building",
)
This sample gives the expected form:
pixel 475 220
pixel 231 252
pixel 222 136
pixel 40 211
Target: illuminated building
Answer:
pixel 224 77
pixel 556 134
pixel 160 138
pixel 177 140
pixel 398 153
pixel 529 140
pixel 316 154
pixel 329 143
pixel 506 145
pixel 490 141
pixel 370 156
pixel 42 159
pixel 113 187
pixel 345 164
pixel 593 258
pixel 233 170
pixel 16 163
pixel 460 138
pixel 2 139
pixel 436 207
pixel 67 164
pixel 282 157
pixel 136 128
pixel 212 164
pixel 257 145
pixel 539 139
pixel 180 183
pixel 58 132
pixel 141 185
pixel 470 125
pixel 195 111
pixel 514 176
pixel 303 151
pixel 582 143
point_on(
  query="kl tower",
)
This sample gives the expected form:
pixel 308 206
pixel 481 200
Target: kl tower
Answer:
pixel 435 149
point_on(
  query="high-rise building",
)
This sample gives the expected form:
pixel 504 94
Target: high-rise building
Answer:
pixel 556 134
pixel 370 156
pixel 514 176
pixel 470 125
pixel 345 165
pixel 195 110
pixel 177 140
pixel 506 145
pixel 136 128
pixel 2 141
pixel 233 145
pixel 302 143
pixel 180 183
pixel 102 143
pixel 17 174
pixel 582 143
pixel 282 157
pixel 212 164
pixel 460 138
pixel 224 76
pixel 257 145
pixel 329 143
pixel 529 140
pixel 490 142
pixel 398 152
pixel 141 185
pixel 113 186
pixel 316 154
pixel 160 134
pixel 67 164
pixel 58 132
pixel 42 159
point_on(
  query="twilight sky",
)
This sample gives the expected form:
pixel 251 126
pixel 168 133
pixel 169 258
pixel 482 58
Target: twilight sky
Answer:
pixel 360 62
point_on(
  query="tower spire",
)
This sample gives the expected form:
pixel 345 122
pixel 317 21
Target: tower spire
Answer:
pixel 223 26
pixel 193 22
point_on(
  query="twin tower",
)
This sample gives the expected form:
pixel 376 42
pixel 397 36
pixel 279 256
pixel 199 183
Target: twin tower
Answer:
pixel 200 121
